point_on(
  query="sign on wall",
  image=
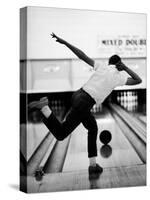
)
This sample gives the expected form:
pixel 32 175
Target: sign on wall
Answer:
pixel 125 45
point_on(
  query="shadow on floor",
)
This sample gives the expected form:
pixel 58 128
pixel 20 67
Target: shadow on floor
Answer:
pixel 14 186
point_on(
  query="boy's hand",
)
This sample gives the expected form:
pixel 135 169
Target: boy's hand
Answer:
pixel 58 39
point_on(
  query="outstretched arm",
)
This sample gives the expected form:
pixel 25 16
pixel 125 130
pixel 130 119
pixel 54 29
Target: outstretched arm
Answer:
pixel 80 54
pixel 134 79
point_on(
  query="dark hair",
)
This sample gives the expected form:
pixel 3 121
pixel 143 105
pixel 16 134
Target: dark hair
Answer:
pixel 114 60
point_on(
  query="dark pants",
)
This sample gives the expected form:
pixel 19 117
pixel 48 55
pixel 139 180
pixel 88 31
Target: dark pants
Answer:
pixel 81 104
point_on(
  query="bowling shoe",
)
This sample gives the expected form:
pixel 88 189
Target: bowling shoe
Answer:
pixel 95 169
pixel 39 173
pixel 38 104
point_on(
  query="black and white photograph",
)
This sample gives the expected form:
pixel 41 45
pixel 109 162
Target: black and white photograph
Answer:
pixel 83 105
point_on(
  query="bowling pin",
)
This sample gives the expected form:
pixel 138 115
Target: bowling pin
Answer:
pixel 134 100
pixel 120 98
pixel 128 100
pixel 124 99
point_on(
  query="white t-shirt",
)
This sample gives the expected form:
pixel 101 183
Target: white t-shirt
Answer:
pixel 103 81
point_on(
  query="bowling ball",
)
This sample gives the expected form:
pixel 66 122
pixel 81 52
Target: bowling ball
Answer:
pixel 105 137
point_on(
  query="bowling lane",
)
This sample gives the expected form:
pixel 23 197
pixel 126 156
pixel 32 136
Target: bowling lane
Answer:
pixel 118 153
pixel 34 135
pixel 141 117
pixel 131 101
pixel 35 131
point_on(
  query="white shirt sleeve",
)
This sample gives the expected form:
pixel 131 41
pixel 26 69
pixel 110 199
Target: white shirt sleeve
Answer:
pixel 96 65
pixel 122 78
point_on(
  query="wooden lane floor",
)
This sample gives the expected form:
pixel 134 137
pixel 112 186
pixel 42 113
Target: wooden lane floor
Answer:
pixel 79 180
pixel 122 166
pixel 141 117
pixel 118 153
pixel 31 136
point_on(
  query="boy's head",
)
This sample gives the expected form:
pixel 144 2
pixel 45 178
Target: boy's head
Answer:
pixel 113 60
